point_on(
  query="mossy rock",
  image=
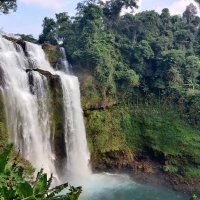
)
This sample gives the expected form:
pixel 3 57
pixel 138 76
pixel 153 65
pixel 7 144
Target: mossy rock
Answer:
pixel 147 132
pixel 3 126
pixel 53 54
pixel 57 115
pixel 57 120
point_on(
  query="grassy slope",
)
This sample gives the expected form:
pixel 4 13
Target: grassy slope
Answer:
pixel 154 131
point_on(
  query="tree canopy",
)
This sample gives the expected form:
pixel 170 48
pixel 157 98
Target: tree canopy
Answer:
pixel 155 51
pixel 7 5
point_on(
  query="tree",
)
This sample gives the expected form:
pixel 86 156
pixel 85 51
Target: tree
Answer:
pixel 92 19
pixel 7 5
pixel 184 39
pixel 197 1
pixel 190 13
pixel 151 25
pixel 113 8
pixel 130 26
pixel 63 24
pixel 142 51
pixel 48 34
pixel 169 70
pixel 165 18
pixel 192 71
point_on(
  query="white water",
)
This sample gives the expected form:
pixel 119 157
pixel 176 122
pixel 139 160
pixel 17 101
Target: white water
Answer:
pixel 66 66
pixel 27 110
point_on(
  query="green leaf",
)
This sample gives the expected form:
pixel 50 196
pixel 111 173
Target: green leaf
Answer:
pixel 4 157
pixel 24 190
pixel 194 197
pixel 58 189
pixel 41 185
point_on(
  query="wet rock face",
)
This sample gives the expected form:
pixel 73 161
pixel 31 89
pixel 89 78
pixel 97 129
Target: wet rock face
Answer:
pixel 54 80
pixel 47 74
pixel 53 54
pixel 57 118
pixel 2 80
pixel 19 42
pixel 3 126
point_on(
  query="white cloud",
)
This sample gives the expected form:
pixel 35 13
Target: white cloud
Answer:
pixel 54 4
pixel 177 7
pixel 140 2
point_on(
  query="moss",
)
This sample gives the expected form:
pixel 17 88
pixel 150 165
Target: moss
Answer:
pixel 53 54
pixel 153 132
pixel 3 127
pixel 104 131
pixel 57 120
pixel 170 169
pixel 192 172
pixel 28 168
pixel 90 94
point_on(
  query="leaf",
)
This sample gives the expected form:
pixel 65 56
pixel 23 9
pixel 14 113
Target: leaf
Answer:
pixel 4 157
pixel 74 193
pixel 7 193
pixel 194 197
pixel 58 189
pixel 41 185
pixel 24 190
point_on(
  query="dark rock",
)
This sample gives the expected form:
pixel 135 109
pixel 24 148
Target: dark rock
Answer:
pixel 19 42
pixel 57 115
pixel 2 79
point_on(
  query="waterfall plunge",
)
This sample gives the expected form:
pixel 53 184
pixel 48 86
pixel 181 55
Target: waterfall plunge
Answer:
pixel 28 116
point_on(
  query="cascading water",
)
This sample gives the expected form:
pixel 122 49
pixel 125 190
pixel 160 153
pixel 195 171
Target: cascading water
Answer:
pixel 28 115
pixel 75 140
pixel 66 67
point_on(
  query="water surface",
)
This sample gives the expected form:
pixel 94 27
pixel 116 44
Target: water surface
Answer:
pixel 121 187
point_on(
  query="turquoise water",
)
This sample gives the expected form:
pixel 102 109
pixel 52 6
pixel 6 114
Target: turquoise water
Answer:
pixel 121 187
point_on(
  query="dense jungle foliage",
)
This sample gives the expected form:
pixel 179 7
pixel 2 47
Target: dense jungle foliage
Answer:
pixel 140 81
pixel 7 5
pixel 147 52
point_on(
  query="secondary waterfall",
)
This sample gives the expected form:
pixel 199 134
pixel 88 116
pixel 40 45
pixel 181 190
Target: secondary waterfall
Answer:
pixel 28 110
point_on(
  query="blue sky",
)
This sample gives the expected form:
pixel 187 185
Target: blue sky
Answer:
pixel 30 13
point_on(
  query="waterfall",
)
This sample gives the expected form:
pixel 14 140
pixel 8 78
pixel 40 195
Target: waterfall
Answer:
pixel 66 67
pixel 28 105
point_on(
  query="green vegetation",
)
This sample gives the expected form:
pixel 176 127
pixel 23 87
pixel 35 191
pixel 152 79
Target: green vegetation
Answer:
pixel 147 52
pixel 57 120
pixel 140 81
pixel 7 5
pixel 3 127
pixel 52 53
pixel 13 184
pixel 194 197
pixel 151 132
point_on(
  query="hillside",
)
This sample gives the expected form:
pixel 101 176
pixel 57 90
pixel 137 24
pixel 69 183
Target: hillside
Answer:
pixel 140 88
